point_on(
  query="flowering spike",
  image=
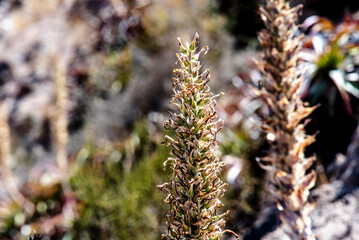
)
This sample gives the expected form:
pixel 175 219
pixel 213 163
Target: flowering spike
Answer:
pixel 195 185
pixel 284 125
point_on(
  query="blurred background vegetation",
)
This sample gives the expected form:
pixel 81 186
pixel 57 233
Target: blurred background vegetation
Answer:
pixel 118 57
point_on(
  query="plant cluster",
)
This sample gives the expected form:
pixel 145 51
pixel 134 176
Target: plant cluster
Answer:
pixel 331 54
pixel 333 51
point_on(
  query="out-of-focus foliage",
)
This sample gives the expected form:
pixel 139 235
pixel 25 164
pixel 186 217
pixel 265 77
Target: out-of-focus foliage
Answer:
pixel 239 142
pixel 114 187
pixel 113 194
pixel 180 18
pixel 335 56
pixel 34 36
pixel 48 197
pixel 333 51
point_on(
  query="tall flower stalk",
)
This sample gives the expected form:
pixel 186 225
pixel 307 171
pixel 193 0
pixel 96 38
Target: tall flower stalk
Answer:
pixel 283 71
pixel 195 185
pixel 60 118
pixel 7 176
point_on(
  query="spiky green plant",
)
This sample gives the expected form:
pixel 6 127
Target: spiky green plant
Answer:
pixel 284 125
pixel 195 185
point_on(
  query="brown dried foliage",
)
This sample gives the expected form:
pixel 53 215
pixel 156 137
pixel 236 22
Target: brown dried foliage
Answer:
pixel 283 73
pixel 195 185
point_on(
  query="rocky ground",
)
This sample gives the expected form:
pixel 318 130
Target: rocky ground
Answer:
pixel 336 216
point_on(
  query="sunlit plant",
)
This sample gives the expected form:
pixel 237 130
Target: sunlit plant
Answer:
pixel 195 186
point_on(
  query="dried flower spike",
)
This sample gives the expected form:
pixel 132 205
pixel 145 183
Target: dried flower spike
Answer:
pixel 195 185
pixel 283 73
pixel 60 118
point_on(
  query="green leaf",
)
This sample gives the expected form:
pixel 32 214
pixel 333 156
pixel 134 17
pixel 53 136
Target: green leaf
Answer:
pixel 338 78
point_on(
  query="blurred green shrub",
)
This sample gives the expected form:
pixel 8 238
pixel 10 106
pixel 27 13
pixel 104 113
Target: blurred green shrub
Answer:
pixel 117 201
pixel 113 187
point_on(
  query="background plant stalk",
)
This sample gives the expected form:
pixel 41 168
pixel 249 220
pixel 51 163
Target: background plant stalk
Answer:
pixel 283 73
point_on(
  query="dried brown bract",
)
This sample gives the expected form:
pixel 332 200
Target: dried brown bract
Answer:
pixel 195 185
pixel 284 126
